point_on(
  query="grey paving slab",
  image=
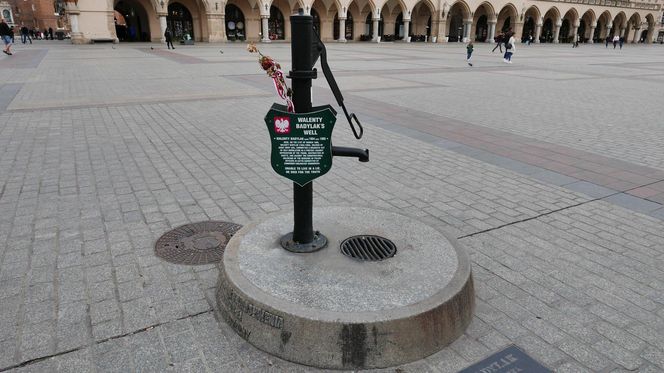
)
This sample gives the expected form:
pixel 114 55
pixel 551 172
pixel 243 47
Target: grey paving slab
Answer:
pixel 633 203
pixel 593 190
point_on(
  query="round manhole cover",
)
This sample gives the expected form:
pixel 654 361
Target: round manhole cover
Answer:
pixel 368 248
pixel 196 243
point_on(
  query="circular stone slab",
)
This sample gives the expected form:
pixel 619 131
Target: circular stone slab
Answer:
pixel 327 310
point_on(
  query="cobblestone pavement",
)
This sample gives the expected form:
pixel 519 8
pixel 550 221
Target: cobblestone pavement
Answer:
pixel 103 148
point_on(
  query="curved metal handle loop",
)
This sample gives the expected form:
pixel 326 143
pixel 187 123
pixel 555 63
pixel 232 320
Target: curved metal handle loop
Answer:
pixel 352 125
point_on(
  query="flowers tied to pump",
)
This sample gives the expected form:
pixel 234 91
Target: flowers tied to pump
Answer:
pixel 273 70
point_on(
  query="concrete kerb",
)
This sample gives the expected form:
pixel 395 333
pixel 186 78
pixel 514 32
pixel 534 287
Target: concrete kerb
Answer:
pixel 343 340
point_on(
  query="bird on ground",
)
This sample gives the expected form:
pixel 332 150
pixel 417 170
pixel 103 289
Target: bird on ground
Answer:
pixel 222 52
pixel 151 48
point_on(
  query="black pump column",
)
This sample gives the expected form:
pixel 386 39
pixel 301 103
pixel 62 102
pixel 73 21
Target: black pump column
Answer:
pixel 303 239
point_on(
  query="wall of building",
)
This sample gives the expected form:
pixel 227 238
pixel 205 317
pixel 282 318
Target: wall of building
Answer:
pixel 37 14
pixel 438 20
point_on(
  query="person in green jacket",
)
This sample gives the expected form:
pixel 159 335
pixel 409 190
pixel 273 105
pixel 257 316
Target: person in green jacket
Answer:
pixel 469 53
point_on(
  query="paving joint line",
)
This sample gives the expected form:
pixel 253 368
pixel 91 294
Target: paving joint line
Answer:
pixel 94 343
pixel 539 216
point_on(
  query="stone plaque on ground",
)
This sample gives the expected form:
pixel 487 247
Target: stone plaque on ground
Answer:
pixel 509 360
pixel 301 142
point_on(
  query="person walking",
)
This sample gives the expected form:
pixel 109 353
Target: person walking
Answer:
pixel 50 32
pixel 621 41
pixel 575 42
pixel 509 47
pixel 615 41
pixel 469 53
pixel 25 34
pixel 608 39
pixel 6 37
pixel 169 38
pixel 499 42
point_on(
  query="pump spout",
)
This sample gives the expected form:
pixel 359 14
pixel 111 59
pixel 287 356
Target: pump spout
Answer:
pixel 342 151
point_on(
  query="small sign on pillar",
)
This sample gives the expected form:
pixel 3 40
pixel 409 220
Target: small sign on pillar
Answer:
pixel 301 142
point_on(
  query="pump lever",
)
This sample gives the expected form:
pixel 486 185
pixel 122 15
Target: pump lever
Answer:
pixel 322 52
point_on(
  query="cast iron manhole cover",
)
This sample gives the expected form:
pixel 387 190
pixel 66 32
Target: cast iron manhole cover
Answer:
pixel 370 248
pixel 196 243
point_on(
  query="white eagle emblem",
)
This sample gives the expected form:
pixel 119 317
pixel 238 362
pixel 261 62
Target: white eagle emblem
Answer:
pixel 282 125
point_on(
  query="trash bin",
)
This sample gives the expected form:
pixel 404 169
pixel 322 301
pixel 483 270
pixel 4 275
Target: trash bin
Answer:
pixel 60 35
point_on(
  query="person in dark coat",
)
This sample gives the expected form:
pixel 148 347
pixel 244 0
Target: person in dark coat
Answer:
pixel 25 34
pixel 169 38
pixel 499 42
pixel 50 32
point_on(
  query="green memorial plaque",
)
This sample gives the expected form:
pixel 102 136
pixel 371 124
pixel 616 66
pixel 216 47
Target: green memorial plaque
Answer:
pixel 301 142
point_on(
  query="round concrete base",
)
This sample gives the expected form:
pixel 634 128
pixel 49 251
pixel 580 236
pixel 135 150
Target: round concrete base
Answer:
pixel 331 311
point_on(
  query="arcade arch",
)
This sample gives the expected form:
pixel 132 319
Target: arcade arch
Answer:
pixel 567 27
pixel 186 17
pixel 420 19
pixel 633 26
pixel 530 21
pixel 132 19
pixel 604 25
pixel 455 21
pixel 481 29
pixel 550 26
pixel 507 18
pixel 586 28
pixel 235 23
pixel 619 24
pixel 648 35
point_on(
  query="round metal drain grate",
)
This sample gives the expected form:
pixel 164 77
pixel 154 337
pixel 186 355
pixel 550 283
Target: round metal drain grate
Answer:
pixel 196 243
pixel 368 248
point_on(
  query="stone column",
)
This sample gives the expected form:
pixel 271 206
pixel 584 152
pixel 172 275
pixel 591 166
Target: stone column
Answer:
pixel 518 31
pixel 492 31
pixel 216 27
pixel 406 30
pixel 538 33
pixel 374 37
pixel 162 25
pixel 556 32
pixel 622 32
pixel 592 32
pixel 575 30
pixel 467 25
pixel 342 30
pixel 609 26
pixel 265 29
pixel 73 12
pixel 441 24
pixel 637 34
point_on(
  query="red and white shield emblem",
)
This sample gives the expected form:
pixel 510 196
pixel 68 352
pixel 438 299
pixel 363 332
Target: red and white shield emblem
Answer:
pixel 282 125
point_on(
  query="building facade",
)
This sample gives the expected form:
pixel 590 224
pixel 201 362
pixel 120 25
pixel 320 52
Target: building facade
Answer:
pixel 40 14
pixel 344 20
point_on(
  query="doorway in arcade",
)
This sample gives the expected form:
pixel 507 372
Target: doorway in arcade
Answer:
pixel 180 22
pixel 131 21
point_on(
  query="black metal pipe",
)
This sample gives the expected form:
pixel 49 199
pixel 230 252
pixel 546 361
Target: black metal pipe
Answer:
pixel 301 75
pixel 342 151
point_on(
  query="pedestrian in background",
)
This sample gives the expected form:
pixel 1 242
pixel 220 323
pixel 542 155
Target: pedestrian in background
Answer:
pixel 608 38
pixel 509 47
pixel 621 41
pixel 615 41
pixel 499 42
pixel 25 34
pixel 50 32
pixel 6 36
pixel 469 53
pixel 169 38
